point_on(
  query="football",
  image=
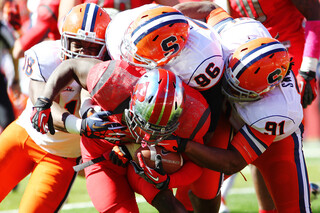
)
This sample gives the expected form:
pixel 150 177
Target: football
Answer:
pixel 171 161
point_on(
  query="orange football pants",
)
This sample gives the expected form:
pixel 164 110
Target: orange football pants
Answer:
pixel 51 176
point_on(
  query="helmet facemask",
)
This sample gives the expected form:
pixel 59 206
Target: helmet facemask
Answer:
pixel 145 132
pixel 66 51
pixel 85 24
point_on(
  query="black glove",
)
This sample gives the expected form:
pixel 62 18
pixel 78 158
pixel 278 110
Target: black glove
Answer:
pixel 156 176
pixel 174 144
pixel 98 125
pixel 41 115
pixel 308 87
pixel 120 155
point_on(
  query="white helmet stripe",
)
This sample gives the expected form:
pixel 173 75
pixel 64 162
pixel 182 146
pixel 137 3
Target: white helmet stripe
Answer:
pixel 156 23
pixel 89 17
pixel 253 56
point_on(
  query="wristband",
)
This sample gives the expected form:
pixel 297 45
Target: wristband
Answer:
pixel 309 64
pixel 73 124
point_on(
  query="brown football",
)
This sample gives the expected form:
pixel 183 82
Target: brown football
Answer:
pixel 171 161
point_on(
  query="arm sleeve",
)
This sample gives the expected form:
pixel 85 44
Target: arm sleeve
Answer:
pixel 218 17
pixel 251 143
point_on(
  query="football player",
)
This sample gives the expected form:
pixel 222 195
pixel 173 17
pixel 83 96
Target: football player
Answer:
pixel 158 91
pixel 161 36
pixel 50 157
pixel 301 37
pixel 257 80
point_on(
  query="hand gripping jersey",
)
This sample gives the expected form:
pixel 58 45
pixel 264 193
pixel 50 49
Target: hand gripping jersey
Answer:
pixel 199 64
pixel 279 113
pixel 40 61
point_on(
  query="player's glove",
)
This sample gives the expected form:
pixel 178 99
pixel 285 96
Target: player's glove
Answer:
pixel 98 125
pixel 308 87
pixel 41 117
pixel 156 176
pixel 174 144
pixel 120 155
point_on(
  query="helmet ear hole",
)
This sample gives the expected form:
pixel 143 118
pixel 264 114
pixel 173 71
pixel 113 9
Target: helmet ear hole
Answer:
pixel 257 70
pixel 244 49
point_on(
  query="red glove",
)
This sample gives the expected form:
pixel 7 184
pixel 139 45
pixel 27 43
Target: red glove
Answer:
pixel 174 143
pixel 41 117
pixel 156 176
pixel 308 87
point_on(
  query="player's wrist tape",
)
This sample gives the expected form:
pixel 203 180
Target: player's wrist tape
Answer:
pixel 312 44
pixel 73 124
pixel 309 64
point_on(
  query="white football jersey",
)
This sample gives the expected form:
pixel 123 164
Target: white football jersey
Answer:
pixel 40 61
pixel 199 64
pixel 279 112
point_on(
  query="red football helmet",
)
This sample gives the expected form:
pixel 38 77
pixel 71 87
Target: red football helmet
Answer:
pixel 155 37
pixel 155 107
pixel 255 68
pixel 85 22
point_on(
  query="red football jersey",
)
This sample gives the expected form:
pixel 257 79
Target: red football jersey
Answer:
pixel 111 83
pixel 280 17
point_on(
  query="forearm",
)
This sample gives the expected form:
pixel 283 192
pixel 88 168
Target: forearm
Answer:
pixel 67 71
pixel 196 10
pixel 221 160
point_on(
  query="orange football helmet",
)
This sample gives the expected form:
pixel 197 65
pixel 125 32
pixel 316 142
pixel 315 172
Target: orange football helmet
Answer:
pixel 155 37
pixel 255 68
pixel 85 22
pixel 156 105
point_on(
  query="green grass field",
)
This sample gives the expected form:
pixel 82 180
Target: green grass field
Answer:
pixel 241 199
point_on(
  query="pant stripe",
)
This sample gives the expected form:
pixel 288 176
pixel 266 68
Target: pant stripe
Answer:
pixel 304 191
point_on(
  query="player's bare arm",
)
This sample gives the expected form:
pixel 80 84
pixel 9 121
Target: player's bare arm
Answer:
pixel 196 10
pixel 228 161
pixel 72 69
